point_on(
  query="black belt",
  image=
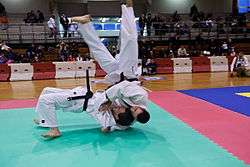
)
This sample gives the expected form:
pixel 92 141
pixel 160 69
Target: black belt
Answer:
pixel 123 78
pixel 87 96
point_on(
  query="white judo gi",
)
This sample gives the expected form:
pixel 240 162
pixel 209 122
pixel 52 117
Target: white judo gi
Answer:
pixel 125 93
pixel 126 61
pixel 53 99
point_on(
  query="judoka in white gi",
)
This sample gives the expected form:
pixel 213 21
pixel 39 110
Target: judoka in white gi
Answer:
pixel 129 94
pixel 99 107
pixel 106 107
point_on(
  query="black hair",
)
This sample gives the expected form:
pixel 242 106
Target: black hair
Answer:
pixel 126 118
pixel 143 117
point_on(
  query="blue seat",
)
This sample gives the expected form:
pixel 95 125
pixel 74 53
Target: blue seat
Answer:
pixel 109 26
pixel 97 26
pixel 118 26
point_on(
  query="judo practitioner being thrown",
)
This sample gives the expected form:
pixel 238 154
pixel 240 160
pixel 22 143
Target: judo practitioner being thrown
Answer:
pixel 117 107
pixel 126 62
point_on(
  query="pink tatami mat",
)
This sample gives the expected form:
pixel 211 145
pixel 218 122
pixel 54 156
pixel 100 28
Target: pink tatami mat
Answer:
pixel 224 127
pixel 9 104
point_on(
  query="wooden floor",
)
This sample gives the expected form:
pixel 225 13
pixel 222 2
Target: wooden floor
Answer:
pixel 32 89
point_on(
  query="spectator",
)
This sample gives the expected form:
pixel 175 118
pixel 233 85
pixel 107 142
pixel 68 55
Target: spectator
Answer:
pixel 36 59
pixel 40 17
pixel 32 17
pixel 142 22
pixel 3 46
pixel 193 11
pixel 182 52
pixel 151 67
pixel 71 58
pixel 27 19
pixel 10 55
pixel 79 58
pixel 65 23
pixel 239 66
pixel 224 48
pixel 31 52
pixel 72 29
pixel 171 53
pixel 3 59
pixel 52 26
pixel 176 17
pixel 74 49
pixel 139 70
pixel 63 51
pixel 23 59
pixel 113 50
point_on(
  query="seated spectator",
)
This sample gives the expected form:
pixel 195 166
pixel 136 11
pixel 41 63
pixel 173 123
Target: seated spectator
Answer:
pixel 3 46
pixel 74 49
pixel 182 52
pixel 31 52
pixel 72 29
pixel 22 58
pixel 224 48
pixel 139 70
pixel 71 58
pixel 40 18
pixel 32 17
pixel 239 66
pixel 79 58
pixel 151 67
pixel 63 51
pixel 27 20
pixel 3 59
pixel 87 57
pixel 170 53
pixel 40 51
pixel 10 55
pixel 36 59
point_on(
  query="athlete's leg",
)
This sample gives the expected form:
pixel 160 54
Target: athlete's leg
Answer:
pixel 101 54
pixel 128 56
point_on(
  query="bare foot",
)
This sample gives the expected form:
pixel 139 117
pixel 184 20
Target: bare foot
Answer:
pixel 129 3
pixel 81 19
pixel 36 121
pixel 53 133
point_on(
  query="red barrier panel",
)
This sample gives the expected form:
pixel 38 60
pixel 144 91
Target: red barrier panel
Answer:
pixel 201 64
pixel 230 60
pixel 44 71
pixel 4 72
pixel 99 71
pixel 164 66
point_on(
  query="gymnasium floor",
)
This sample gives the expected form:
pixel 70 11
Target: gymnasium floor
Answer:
pixel 201 124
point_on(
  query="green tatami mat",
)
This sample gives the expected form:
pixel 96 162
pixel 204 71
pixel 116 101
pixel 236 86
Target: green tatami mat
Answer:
pixel 164 142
